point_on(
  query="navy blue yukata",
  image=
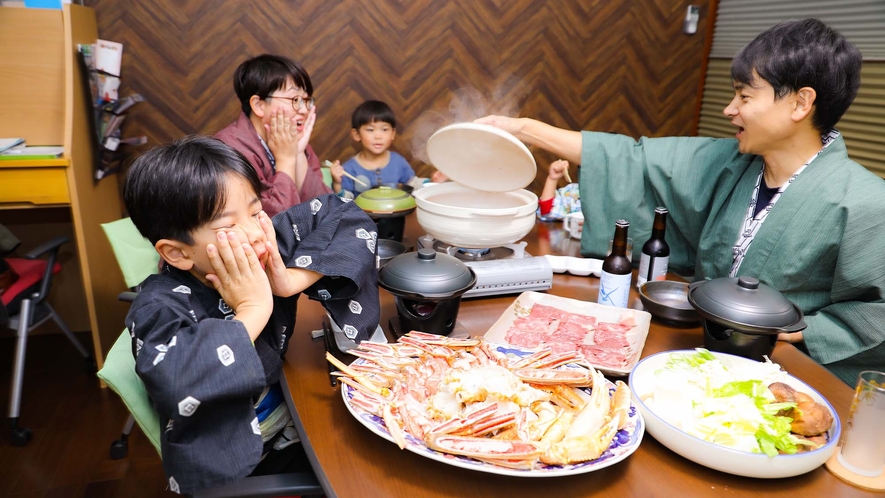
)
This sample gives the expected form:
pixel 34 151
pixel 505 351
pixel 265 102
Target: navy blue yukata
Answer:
pixel 200 368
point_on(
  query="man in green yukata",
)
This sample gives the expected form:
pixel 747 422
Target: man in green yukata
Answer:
pixel 781 201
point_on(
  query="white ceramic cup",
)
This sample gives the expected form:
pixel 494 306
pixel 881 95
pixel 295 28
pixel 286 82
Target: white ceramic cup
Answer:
pixel 574 224
pixel 863 442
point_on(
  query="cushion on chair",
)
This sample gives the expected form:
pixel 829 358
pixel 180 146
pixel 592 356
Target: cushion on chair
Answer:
pixel 30 272
pixel 119 374
pixel 135 254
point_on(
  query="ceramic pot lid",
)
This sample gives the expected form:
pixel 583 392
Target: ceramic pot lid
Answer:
pixel 744 300
pixel 427 273
pixel 482 157
pixel 385 200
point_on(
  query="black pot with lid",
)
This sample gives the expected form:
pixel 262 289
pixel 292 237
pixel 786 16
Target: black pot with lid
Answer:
pixel 427 287
pixel 388 206
pixel 743 316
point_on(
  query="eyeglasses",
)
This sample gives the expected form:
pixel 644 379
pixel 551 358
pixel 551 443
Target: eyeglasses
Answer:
pixel 298 102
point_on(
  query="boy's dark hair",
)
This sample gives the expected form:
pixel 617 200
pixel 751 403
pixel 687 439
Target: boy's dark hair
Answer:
pixel 174 189
pixel 371 111
pixel 266 74
pixel 798 53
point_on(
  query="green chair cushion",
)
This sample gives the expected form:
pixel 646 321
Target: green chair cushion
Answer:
pixel 135 254
pixel 119 374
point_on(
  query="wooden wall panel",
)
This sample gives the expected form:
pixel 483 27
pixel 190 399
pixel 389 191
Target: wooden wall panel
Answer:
pixel 611 65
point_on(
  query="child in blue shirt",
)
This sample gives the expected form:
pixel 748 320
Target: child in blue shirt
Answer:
pixel 374 127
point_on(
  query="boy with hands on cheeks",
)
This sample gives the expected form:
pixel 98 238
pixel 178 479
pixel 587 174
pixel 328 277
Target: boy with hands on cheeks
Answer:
pixel 210 330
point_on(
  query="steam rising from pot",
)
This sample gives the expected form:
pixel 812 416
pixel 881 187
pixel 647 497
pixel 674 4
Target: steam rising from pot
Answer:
pixel 466 105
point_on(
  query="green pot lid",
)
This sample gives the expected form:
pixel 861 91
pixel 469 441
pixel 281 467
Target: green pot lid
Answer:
pixel 482 157
pixel 385 200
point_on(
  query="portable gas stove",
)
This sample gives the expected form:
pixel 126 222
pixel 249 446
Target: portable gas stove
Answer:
pixel 506 269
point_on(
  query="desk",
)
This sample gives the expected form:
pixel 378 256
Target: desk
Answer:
pixel 45 102
pixel 353 462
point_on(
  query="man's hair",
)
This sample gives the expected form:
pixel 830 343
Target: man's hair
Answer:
pixel 176 188
pixel 266 74
pixel 371 111
pixel 799 53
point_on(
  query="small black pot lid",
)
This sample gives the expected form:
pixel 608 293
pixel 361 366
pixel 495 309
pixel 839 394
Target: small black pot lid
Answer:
pixel 427 273
pixel 744 300
pixel 385 200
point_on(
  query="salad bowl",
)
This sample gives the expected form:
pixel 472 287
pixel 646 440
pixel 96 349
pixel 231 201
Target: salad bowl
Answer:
pixel 649 389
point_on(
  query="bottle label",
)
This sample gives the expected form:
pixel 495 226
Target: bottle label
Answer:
pixel 659 269
pixel 614 290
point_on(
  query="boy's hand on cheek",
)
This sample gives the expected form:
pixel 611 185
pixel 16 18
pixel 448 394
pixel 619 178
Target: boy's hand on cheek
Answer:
pixel 284 282
pixel 241 281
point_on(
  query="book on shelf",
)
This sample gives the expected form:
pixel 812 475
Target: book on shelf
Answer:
pixel 8 143
pixel 32 152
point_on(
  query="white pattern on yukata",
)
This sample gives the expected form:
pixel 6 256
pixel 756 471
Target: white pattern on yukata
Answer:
pixel 225 355
pixel 303 261
pixel 315 206
pixel 362 233
pixel 138 344
pixel 183 289
pixel 324 294
pixel 355 307
pixel 188 406
pixel 350 331
pixel 173 485
pixel 255 427
pixel 295 231
pixel 223 307
pixel 371 245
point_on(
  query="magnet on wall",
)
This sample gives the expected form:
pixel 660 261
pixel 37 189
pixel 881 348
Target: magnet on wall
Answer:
pixel 692 15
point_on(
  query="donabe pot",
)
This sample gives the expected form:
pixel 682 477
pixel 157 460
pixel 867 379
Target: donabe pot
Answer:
pixel 388 207
pixel 427 287
pixel 466 217
pixel 742 316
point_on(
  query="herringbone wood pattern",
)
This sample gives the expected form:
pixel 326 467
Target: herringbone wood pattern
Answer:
pixel 612 65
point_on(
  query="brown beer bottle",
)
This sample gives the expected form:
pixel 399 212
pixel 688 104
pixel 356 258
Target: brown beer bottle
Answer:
pixel 614 283
pixel 655 259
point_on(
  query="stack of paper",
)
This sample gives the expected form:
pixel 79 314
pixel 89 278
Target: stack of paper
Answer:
pixel 37 152
pixel 8 143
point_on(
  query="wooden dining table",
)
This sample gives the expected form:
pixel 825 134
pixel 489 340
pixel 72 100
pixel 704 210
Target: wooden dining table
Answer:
pixel 351 461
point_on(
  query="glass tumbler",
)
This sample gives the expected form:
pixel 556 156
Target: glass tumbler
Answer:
pixel 863 443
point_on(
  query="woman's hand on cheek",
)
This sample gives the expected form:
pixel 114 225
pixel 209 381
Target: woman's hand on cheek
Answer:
pixel 304 136
pixel 282 135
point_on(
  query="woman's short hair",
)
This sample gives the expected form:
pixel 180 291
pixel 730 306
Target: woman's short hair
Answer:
pixel 176 188
pixel 266 74
pixel 799 53
pixel 371 111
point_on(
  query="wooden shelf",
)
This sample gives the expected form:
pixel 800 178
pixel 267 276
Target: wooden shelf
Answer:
pixel 44 101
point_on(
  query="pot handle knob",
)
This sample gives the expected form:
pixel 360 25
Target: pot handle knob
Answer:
pixel 748 282
pixel 426 254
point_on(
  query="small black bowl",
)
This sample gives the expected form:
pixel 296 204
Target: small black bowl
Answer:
pixel 668 300
pixel 387 250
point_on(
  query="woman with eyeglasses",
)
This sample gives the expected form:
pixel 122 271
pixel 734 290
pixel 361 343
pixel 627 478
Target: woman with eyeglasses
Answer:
pixel 274 129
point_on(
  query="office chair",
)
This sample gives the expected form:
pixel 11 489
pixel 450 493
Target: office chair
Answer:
pixel 24 308
pixel 119 374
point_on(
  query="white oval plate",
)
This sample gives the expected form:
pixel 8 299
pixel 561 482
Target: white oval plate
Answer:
pixel 626 441
pixel 722 458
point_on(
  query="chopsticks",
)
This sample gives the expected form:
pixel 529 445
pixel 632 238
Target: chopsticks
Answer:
pixel 328 164
pixel 331 347
pixel 565 174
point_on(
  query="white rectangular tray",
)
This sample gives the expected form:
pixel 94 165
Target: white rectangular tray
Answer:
pixel 524 302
